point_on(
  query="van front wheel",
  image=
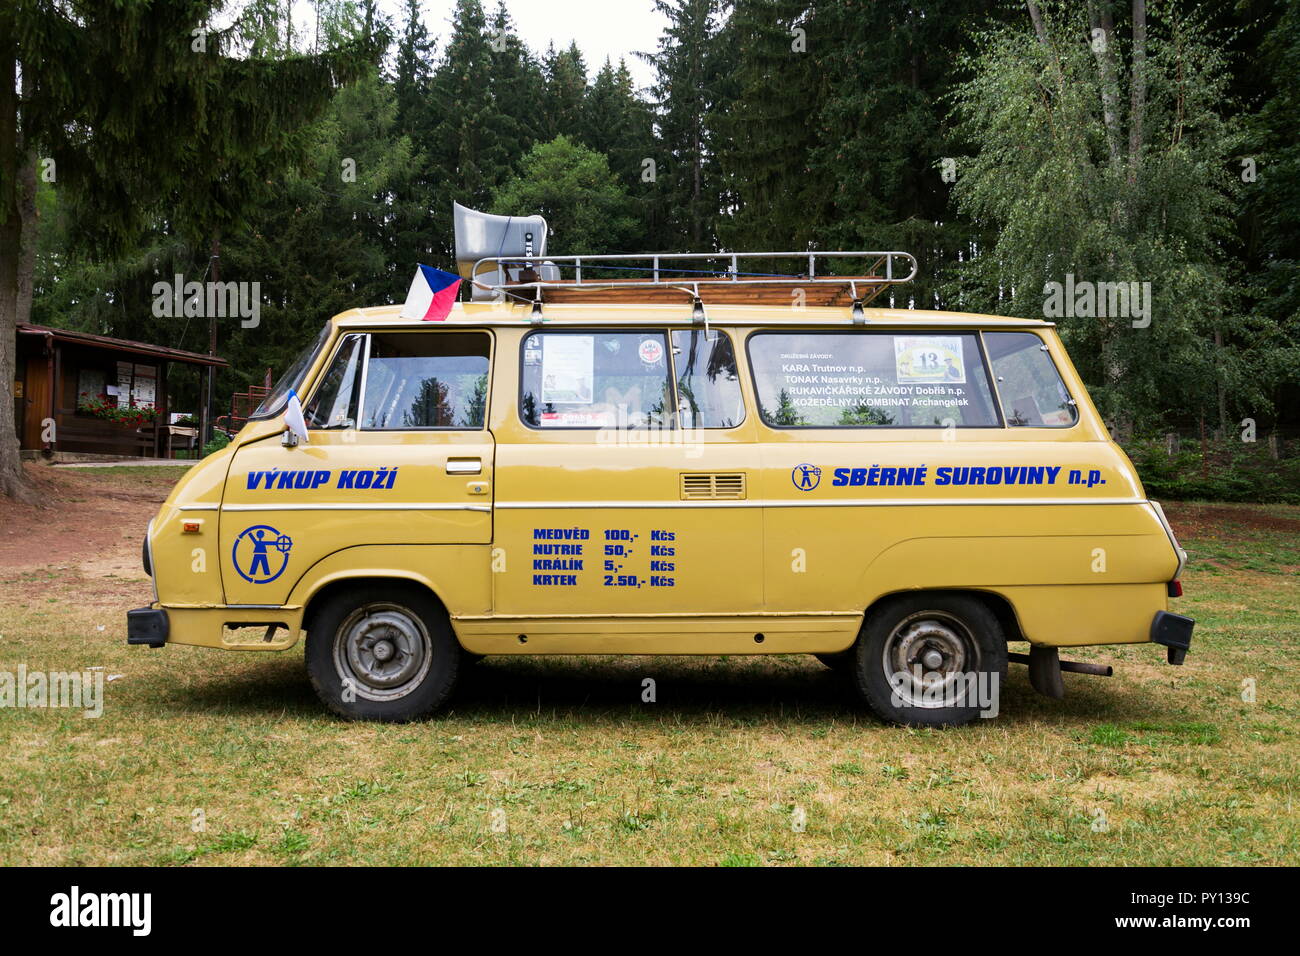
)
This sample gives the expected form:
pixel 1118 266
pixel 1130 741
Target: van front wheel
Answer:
pixel 928 660
pixel 383 653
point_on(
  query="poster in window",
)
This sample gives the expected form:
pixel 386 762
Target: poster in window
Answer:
pixel 929 360
pixel 144 386
pixel 91 385
pixel 568 369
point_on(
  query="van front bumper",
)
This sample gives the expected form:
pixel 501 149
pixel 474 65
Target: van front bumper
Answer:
pixel 230 627
pixel 1173 631
pixel 148 626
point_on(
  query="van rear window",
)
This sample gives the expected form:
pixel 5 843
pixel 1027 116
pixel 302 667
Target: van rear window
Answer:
pixel 1031 389
pixel 871 380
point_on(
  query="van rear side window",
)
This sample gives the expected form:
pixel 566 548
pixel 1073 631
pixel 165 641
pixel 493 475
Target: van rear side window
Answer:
pixel 708 385
pixel 596 379
pixel 871 380
pixel 1031 390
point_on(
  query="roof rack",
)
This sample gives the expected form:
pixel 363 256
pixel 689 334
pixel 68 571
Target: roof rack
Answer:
pixel 661 277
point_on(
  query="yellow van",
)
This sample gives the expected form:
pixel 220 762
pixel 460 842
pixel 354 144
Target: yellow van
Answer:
pixel 734 462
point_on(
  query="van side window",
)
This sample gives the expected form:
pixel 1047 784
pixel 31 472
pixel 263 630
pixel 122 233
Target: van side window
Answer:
pixel 708 385
pixel 425 380
pixel 1031 389
pixel 335 403
pixel 596 379
pixel 871 380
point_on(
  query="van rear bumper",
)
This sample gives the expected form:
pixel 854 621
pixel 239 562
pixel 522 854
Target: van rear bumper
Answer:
pixel 1173 631
pixel 148 626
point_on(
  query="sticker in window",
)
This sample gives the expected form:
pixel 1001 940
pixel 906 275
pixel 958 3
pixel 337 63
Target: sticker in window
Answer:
pixel 651 351
pixel 567 369
pixel 577 419
pixel 929 359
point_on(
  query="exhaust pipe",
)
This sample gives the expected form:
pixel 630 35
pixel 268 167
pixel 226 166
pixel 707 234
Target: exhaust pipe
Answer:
pixel 1074 667
pixel 1045 668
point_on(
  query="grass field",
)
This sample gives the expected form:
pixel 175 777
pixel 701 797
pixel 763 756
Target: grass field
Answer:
pixel 210 757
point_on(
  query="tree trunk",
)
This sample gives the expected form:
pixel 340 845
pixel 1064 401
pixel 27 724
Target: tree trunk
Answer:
pixel 1138 89
pixel 1040 30
pixel 12 481
pixel 1222 393
pixel 1099 16
pixel 1037 19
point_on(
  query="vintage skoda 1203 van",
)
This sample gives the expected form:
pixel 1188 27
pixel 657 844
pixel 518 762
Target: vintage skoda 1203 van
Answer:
pixel 668 455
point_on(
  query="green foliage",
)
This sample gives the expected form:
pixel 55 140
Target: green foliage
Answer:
pixel 690 93
pixel 219 441
pixel 586 207
pixel 1068 193
pixel 769 124
pixel 1216 471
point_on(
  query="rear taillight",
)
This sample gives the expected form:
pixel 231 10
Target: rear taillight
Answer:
pixel 1174 588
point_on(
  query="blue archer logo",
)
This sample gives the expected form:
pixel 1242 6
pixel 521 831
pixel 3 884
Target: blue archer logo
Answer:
pixel 252 553
pixel 806 477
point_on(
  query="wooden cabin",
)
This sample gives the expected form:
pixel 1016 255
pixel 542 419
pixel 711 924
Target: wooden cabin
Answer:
pixel 63 376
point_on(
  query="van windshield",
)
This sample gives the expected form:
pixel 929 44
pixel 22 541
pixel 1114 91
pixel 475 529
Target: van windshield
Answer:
pixel 292 377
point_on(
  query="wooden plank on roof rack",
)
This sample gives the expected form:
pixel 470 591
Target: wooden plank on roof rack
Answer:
pixel 820 293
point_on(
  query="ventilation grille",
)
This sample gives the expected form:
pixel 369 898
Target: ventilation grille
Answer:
pixel 713 486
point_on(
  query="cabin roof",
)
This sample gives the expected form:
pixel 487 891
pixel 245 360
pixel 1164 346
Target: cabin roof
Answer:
pixel 123 345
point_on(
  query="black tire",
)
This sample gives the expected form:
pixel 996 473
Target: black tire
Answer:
pixel 930 660
pixel 409 679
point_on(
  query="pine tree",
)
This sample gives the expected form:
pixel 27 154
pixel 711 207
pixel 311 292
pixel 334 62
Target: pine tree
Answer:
pixel 470 148
pixel 517 84
pixel 689 68
pixel 565 89
pixel 228 121
pixel 766 134
pixel 617 123
pixel 412 224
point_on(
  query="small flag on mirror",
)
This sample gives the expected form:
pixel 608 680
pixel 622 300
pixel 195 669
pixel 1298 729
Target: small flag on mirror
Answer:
pixel 293 417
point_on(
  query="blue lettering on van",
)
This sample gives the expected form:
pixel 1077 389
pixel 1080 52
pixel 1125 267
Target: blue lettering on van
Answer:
pixel 561 534
pixel 307 479
pixel 878 476
pixel 557 564
pixel 896 476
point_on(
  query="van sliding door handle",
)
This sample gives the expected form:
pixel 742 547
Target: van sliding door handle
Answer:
pixel 464 466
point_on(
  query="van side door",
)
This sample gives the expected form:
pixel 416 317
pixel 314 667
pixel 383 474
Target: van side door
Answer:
pixel 625 474
pixel 399 453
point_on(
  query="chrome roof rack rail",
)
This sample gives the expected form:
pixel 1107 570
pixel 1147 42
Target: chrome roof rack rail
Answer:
pixel 693 273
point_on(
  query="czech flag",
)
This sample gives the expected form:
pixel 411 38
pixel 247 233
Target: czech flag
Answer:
pixel 432 294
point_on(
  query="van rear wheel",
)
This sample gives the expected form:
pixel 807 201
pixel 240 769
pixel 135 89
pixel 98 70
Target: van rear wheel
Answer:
pixel 927 660
pixel 384 653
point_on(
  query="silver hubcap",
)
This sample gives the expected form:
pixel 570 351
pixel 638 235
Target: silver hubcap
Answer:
pixel 384 650
pixel 926 658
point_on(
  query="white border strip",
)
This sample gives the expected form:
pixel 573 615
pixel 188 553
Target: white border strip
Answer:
pixel 361 506
pixel 787 503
